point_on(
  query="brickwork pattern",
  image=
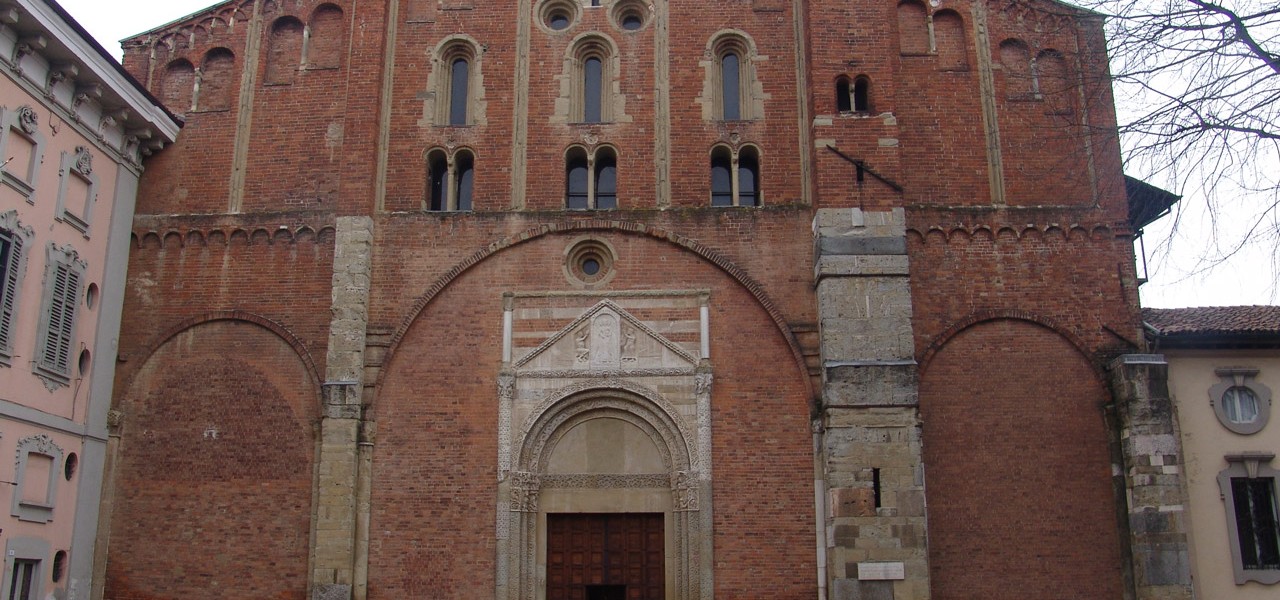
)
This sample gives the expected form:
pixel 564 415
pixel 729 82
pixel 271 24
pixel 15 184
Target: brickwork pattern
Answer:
pixel 214 474
pixel 1017 467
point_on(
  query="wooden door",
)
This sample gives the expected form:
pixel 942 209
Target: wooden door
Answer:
pixel 609 556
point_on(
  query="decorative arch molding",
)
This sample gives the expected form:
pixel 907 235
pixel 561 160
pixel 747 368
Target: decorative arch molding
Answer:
pixel 228 315
pixel 1070 232
pixel 152 239
pixel 633 401
pixel 985 316
pixel 707 253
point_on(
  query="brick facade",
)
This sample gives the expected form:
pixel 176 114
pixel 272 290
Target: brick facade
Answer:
pixel 931 288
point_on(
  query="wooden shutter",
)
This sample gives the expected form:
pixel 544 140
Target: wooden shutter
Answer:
pixel 9 261
pixel 56 355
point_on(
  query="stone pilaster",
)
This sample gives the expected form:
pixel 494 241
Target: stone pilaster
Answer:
pixel 869 431
pixel 1155 494
pixel 338 477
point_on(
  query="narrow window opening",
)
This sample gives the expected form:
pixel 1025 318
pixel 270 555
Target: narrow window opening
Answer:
pixel 1256 522
pixel 721 179
pixel 22 583
pixel 576 194
pixel 439 168
pixel 748 180
pixel 730 90
pixel 862 95
pixel 459 76
pixel 606 182
pixel 592 71
pixel 875 484
pixel 464 183
pixel 844 102
pixel 59 565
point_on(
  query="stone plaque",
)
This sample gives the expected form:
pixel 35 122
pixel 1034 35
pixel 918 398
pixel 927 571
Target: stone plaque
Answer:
pixel 881 571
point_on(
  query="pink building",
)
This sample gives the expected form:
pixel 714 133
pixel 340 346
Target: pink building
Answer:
pixel 73 130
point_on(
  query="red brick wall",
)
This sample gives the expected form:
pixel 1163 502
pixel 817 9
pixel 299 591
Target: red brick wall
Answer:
pixel 1017 468
pixel 214 496
pixel 434 482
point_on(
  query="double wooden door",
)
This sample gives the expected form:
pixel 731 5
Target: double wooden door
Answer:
pixel 605 556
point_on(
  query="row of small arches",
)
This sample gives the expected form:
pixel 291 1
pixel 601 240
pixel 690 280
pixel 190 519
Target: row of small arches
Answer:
pixel 291 46
pixel 591 177
pixel 220 237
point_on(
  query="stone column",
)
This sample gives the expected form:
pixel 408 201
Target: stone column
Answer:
pixel 334 526
pixel 869 423
pixel 1155 492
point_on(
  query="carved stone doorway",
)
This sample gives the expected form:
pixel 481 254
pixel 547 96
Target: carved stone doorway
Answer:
pixel 609 556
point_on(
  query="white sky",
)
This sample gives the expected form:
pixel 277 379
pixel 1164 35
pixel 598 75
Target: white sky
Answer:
pixel 1246 278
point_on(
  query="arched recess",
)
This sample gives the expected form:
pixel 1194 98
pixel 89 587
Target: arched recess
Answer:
pixel 949 36
pixel 325 37
pixel 913 28
pixel 1016 446
pixel 677 490
pixel 704 252
pixel 178 85
pixel 216 80
pixel 217 431
pixel 284 50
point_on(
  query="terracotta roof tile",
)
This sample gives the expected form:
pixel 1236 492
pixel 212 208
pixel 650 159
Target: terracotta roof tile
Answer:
pixel 1229 320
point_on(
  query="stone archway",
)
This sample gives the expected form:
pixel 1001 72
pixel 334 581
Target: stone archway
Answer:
pixel 559 465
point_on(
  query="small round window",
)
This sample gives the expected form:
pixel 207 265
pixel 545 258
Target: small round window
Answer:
pixel 558 15
pixel 1240 405
pixel 630 15
pixel 589 262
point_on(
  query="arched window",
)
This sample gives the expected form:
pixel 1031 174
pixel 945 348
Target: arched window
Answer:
pixel 590 64
pixel 456 82
pixel 284 50
pixel 862 94
pixel 844 96
pixel 731 82
pixel 450 180
pixel 591 178
pixel 464 180
pixel 459 86
pixel 606 174
pixel 438 179
pixel 735 176
pixel 730 86
pixel 576 194
pixel 591 89
pixel 748 179
pixel 721 176
pixel 1053 82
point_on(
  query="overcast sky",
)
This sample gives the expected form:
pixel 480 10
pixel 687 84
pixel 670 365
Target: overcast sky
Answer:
pixel 1247 278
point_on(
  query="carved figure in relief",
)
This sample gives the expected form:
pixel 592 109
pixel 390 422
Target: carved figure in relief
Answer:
pixel 583 340
pixel 604 342
pixel 628 345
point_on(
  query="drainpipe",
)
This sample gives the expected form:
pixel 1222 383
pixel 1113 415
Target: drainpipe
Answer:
pixel 820 509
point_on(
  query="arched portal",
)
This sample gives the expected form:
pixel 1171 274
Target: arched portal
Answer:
pixel 597 454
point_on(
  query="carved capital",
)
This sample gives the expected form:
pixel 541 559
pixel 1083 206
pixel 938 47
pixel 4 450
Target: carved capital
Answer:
pixel 524 491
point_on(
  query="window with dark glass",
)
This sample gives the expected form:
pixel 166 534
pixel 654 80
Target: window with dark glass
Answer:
pixel 576 190
pixel 606 181
pixel 23 582
pixel 748 179
pixel 844 100
pixel 721 178
pixel 729 84
pixel 438 167
pixel 1256 522
pixel 458 84
pixel 592 72
pixel 862 95
pixel 464 180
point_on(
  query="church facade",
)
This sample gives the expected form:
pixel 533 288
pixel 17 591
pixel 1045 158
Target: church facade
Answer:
pixel 624 299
